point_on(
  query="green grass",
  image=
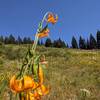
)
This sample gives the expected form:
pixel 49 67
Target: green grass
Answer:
pixel 69 71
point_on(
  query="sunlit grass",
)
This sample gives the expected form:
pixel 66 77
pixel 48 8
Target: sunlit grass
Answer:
pixel 69 71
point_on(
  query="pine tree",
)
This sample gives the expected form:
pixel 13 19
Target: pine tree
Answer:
pixel 88 44
pixel 55 43
pixel 6 40
pixel 29 41
pixel 98 39
pixel 19 40
pixel 74 43
pixel 1 40
pixel 11 39
pixel 92 42
pixel 25 40
pixel 59 43
pixel 82 43
pixel 63 44
pixel 67 46
pixel 48 42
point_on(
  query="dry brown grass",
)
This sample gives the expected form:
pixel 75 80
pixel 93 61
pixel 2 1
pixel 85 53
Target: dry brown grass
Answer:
pixel 69 72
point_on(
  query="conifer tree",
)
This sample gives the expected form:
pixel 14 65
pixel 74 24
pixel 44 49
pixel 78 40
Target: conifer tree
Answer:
pixel 48 42
pixel 92 42
pixel 74 43
pixel 82 43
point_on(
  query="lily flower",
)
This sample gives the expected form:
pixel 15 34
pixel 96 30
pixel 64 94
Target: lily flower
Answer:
pixel 40 75
pixel 22 84
pixel 15 85
pixel 43 33
pixel 42 90
pixel 34 96
pixel 28 82
pixel 51 18
pixel 37 93
pixel 43 60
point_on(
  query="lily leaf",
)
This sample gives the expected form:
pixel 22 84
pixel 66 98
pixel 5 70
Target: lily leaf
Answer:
pixel 40 27
pixel 44 29
pixel 3 86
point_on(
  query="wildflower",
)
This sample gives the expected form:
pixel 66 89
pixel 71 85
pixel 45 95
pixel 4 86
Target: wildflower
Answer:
pixel 52 19
pixel 34 96
pixel 37 93
pixel 43 33
pixel 27 82
pixel 27 87
pixel 40 75
pixel 22 84
pixel 42 90
pixel 43 60
pixel 15 85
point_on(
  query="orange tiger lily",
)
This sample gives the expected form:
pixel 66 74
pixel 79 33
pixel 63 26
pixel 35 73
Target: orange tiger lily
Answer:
pixel 42 90
pixel 22 84
pixel 27 82
pixel 15 85
pixel 43 60
pixel 35 86
pixel 51 18
pixel 43 34
pixel 40 75
pixel 34 96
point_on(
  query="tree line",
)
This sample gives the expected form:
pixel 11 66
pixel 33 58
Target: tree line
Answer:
pixel 12 40
pixel 27 40
pixel 91 43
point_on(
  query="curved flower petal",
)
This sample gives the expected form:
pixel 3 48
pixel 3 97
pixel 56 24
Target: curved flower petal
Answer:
pixel 27 82
pixel 34 96
pixel 12 80
pixel 43 34
pixel 42 90
pixel 22 84
pixel 15 85
pixel 52 19
pixel 40 75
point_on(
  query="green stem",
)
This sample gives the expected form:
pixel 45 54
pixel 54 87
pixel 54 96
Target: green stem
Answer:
pixel 27 67
pixel 36 38
pixel 45 16
pixel 33 49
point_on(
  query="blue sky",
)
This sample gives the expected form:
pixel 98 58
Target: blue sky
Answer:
pixel 76 17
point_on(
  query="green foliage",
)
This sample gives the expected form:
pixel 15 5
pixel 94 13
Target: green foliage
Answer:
pixel 6 41
pixel 19 40
pixel 88 44
pixel 27 40
pixel 74 43
pixel 3 86
pixel 82 43
pixel 93 44
pixel 59 43
pixel 11 39
pixel 48 42
pixel 10 53
pixel 98 39
pixel 1 39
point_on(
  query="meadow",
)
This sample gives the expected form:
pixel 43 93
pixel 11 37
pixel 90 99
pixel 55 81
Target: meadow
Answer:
pixel 72 74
